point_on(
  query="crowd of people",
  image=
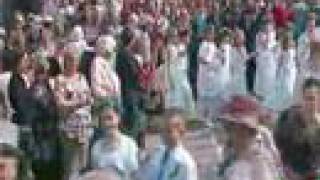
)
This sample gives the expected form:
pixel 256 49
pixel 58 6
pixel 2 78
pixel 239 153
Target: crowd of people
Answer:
pixel 81 78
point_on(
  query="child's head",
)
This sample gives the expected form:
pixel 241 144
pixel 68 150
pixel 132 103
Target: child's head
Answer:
pixel 174 127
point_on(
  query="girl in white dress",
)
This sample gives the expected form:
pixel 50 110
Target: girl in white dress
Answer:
pixel 286 77
pixel 239 57
pixel 179 93
pixel 210 87
pixel 266 61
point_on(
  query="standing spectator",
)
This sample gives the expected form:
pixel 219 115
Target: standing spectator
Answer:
pixel 19 94
pixel 267 56
pixel 239 58
pixel 171 160
pixel 209 79
pixel 46 161
pixel 251 23
pixel 286 75
pixel 179 93
pixel 132 96
pixel 105 83
pixel 17 39
pixel 73 99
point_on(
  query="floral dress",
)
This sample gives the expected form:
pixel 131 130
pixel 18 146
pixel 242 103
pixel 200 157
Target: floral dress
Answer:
pixel 105 83
pixel 73 99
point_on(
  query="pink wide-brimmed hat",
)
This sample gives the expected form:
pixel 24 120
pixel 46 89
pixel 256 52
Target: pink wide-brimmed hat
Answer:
pixel 242 110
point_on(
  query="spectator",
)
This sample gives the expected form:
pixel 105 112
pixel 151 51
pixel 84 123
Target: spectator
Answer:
pixel 171 160
pixel 249 158
pixel 73 99
pixel 114 149
pixel 297 134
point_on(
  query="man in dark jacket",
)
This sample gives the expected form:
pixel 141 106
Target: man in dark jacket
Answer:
pixel 297 134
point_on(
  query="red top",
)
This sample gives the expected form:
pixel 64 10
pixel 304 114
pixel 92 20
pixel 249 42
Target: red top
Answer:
pixel 282 16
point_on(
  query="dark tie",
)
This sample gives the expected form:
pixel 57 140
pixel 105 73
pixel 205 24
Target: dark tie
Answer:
pixel 163 162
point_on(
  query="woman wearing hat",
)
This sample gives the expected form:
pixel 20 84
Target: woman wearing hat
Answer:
pixel 114 149
pixel 105 83
pixel 252 154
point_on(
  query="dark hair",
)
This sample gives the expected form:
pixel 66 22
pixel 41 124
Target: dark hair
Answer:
pixel 100 105
pixel 311 83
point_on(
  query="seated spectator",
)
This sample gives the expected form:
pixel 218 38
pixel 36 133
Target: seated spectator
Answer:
pixel 297 134
pixel 114 149
pixel 170 160
pixel 251 157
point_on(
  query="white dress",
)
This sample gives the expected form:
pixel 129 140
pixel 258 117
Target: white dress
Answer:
pixel 8 130
pixel 266 70
pixel 124 157
pixel 4 89
pixel 238 71
pixel 210 85
pixel 175 164
pixel 286 82
pixel 179 93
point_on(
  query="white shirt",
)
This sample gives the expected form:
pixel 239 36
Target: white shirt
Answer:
pixel 4 85
pixel 124 157
pixel 178 166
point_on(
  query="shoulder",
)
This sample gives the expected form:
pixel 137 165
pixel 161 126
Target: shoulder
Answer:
pixel 184 157
pixel 129 142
